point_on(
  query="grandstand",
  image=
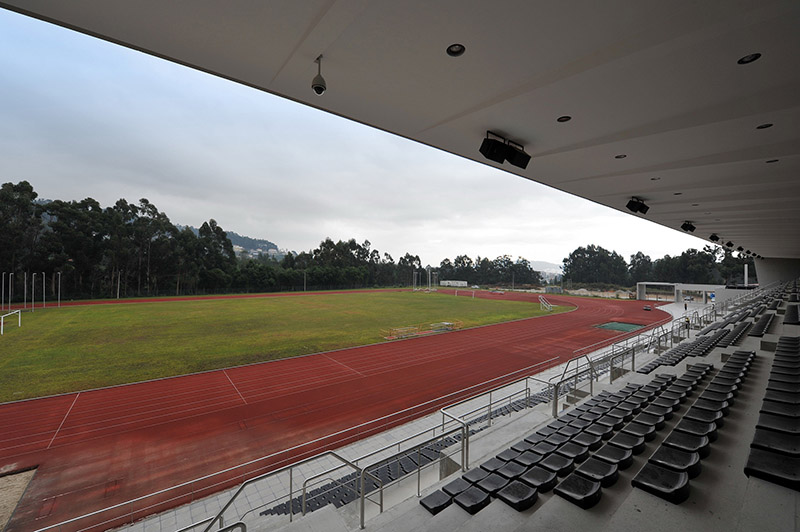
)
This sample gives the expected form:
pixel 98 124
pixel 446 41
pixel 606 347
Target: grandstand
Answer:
pixel 684 112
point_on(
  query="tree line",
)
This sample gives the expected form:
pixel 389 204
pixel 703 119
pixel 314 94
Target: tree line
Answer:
pixel 134 250
pixel 711 265
pixel 483 271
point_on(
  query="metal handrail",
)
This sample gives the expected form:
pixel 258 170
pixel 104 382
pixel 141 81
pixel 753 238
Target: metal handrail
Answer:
pixel 290 467
pixel 363 493
pixel 493 401
pixel 323 475
pixel 464 441
pixel 464 424
pixel 195 525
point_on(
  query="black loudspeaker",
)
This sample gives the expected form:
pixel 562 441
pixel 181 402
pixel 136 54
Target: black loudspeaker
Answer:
pixel 494 150
pixel 517 157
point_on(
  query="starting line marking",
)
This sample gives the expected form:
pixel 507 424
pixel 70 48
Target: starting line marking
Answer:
pixel 63 420
pixel 344 365
pixel 234 386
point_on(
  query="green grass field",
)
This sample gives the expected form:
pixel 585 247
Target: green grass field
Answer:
pixel 82 347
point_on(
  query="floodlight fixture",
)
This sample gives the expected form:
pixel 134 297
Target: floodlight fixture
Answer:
pixel 500 150
pixel 637 205
pixel 714 237
pixel 688 226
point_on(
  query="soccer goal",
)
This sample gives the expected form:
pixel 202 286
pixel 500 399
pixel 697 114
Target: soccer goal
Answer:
pixel 544 304
pixel 3 320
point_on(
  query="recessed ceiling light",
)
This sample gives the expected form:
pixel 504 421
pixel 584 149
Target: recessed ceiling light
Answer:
pixel 773 161
pixel 456 50
pixel 677 193
pixel 655 178
pixel 764 126
pixel 695 204
pixel 565 118
pixel 748 58
pixel 620 156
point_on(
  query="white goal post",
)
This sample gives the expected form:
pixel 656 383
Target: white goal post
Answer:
pixel 3 320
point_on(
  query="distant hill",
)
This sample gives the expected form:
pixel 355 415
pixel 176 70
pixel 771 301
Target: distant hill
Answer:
pixel 250 243
pixel 546 267
pixel 245 242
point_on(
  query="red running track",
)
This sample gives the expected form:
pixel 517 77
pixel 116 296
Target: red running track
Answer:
pixel 98 448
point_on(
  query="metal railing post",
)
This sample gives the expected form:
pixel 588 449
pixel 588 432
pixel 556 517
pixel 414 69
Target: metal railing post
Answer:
pixel 419 469
pixel 291 496
pixel 464 456
pixel 490 409
pixel 555 399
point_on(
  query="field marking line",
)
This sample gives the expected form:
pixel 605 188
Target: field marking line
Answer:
pixel 234 386
pixel 63 420
pixel 344 365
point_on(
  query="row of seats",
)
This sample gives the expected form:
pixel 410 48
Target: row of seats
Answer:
pixel 587 447
pixel 761 326
pixel 533 465
pixel 699 347
pixel 792 317
pixel 775 449
pixel 344 490
pixel 734 335
pixel 668 471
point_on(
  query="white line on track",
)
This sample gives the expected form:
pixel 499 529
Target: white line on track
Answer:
pixel 234 386
pixel 63 420
pixel 344 365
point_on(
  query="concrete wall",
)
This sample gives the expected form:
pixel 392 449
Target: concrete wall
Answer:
pixel 771 270
pixel 724 294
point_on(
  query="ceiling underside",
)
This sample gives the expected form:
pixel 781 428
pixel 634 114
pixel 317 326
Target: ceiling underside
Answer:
pixel 656 81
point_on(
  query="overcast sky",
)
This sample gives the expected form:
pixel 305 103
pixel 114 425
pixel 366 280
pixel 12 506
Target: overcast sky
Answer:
pixel 80 118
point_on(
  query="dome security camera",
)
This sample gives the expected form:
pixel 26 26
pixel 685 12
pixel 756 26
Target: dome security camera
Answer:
pixel 318 84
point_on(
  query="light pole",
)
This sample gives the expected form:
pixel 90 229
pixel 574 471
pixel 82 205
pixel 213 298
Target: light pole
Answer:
pixel 3 295
pixel 25 289
pixel 44 291
pixel 33 292
pixel 10 289
pixel 59 289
